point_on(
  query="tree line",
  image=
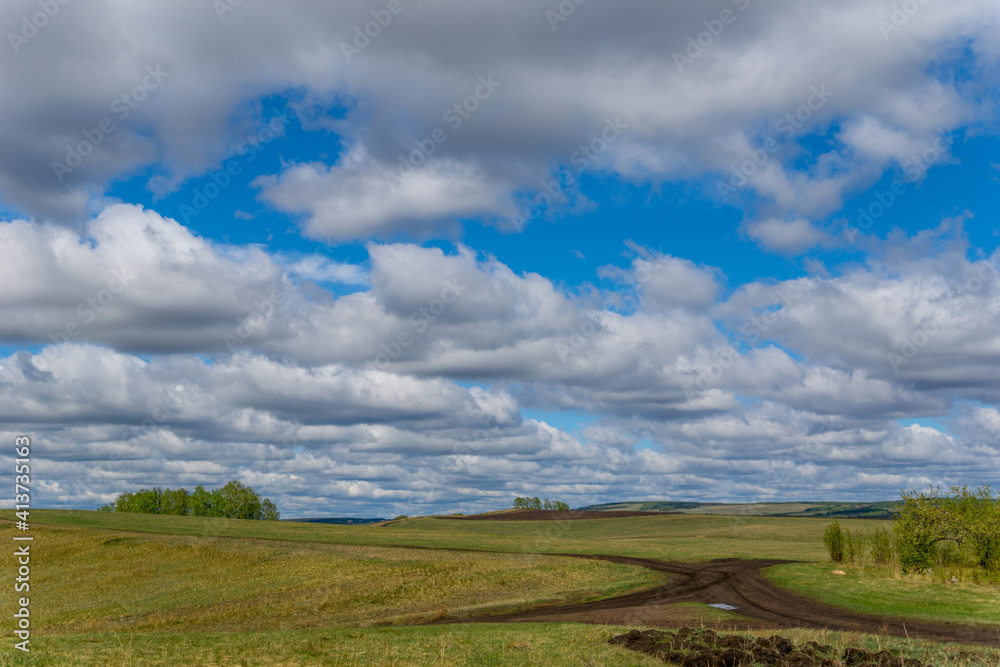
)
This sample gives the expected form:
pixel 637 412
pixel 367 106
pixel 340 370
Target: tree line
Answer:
pixel 957 529
pixel 232 501
pixel 538 504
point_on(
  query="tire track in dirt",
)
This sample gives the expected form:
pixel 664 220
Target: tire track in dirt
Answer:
pixel 741 584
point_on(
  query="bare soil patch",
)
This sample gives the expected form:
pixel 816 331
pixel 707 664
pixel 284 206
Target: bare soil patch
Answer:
pixel 702 647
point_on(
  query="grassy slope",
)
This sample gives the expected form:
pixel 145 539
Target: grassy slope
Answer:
pixel 310 556
pixel 874 590
pixel 670 536
pixel 875 510
pixel 481 645
pixel 89 580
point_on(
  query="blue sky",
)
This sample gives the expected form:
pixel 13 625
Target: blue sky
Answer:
pixel 241 246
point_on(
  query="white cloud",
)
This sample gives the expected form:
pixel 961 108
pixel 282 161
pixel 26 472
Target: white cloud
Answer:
pixel 134 279
pixel 360 198
pixel 555 95
pixel 786 236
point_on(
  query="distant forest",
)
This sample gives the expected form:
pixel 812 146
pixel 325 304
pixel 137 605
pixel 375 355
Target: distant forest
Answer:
pixel 232 501
pixel 539 504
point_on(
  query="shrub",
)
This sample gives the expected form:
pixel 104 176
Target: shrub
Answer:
pixel 975 516
pixel 834 540
pixel 854 547
pixel 916 528
pixel 967 521
pixel 880 547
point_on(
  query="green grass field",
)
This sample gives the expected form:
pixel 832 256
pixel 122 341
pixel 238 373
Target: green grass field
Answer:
pixel 88 580
pixel 131 589
pixel 874 590
pixel 484 645
pixel 668 536
pixel 876 510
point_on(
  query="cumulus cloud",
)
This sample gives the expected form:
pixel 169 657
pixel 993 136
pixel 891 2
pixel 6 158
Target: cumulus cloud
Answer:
pixel 108 285
pixel 551 99
pixel 785 236
pixel 398 383
pixel 334 439
pixel 360 198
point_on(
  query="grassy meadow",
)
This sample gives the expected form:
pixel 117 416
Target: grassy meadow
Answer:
pixel 880 590
pixel 480 645
pixel 105 581
pixel 134 589
pixel 666 536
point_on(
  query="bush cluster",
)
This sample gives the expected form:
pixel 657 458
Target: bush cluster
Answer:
pixel 538 504
pixel 232 501
pixel 966 523
pixel 876 546
pixel 961 528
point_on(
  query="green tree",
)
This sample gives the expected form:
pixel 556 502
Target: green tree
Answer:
pixel 919 526
pixel 547 504
pixel 234 501
pixel 122 502
pixel 201 502
pixel 238 501
pixel 175 502
pixel 270 513
pixel 536 503
pixel 974 518
pixel 147 501
pixel 968 520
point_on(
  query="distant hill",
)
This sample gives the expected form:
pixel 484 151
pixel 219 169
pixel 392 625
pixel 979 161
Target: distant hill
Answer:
pixel 874 510
pixel 338 520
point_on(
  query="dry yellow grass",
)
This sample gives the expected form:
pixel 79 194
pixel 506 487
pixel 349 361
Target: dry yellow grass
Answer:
pixel 86 580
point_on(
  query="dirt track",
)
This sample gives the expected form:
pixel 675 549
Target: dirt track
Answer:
pixel 738 583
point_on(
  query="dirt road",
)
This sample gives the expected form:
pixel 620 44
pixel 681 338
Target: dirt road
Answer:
pixel 738 583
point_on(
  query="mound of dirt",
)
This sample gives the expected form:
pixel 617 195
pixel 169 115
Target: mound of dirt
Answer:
pixel 704 648
pixel 550 515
